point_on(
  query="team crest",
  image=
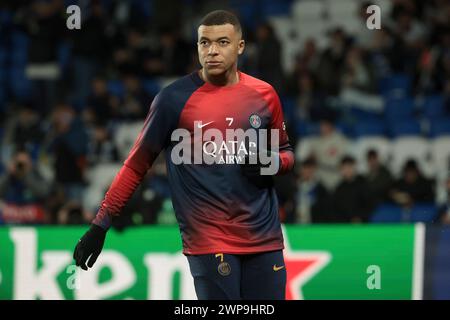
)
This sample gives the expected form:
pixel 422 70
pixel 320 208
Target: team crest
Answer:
pixel 255 121
pixel 224 268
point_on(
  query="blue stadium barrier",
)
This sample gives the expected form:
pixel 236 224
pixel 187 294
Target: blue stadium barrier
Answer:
pixel 369 128
pixel 358 115
pixel 19 40
pixel 424 212
pixel 20 84
pixel 440 127
pixel 305 129
pixel 395 85
pixel 387 213
pixel 274 8
pixel 397 108
pixel 64 55
pixel 346 129
pixel 288 104
pixel 404 127
pixel 433 106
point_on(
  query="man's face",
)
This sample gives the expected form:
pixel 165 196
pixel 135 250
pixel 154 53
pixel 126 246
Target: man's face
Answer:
pixel 218 48
pixel 348 171
pixel 372 162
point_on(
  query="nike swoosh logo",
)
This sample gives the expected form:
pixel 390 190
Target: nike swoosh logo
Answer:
pixel 275 268
pixel 199 125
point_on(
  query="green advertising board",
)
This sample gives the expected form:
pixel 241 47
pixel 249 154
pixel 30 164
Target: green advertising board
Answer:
pixel 323 262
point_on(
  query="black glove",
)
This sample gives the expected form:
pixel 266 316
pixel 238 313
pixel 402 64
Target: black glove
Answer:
pixel 90 245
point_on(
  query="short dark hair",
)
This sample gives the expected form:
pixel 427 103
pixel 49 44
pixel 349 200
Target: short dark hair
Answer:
pixel 372 153
pixel 347 159
pixel 221 17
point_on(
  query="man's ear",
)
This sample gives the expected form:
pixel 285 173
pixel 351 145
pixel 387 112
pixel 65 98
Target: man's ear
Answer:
pixel 241 46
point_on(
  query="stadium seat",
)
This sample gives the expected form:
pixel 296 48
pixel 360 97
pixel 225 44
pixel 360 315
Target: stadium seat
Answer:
pixel 398 108
pixel 359 115
pixel 405 148
pixel 116 88
pixel 369 128
pixel 387 213
pixel 307 10
pixel 346 129
pixel 396 86
pixel 125 136
pixel 433 107
pixel 385 5
pixel 288 105
pixel 440 127
pixel 423 212
pixel 64 55
pixel 282 26
pixel 274 8
pixel 303 148
pixel 19 41
pixel 99 178
pixel 20 85
pixel 342 8
pixel 409 127
pixel 440 154
pixel 306 129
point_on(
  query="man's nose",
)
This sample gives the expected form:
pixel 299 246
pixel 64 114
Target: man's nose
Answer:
pixel 213 49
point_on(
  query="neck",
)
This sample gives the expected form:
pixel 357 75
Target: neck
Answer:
pixel 228 78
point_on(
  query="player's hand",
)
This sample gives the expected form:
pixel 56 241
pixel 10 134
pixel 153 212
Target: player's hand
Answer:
pixel 89 246
pixel 252 171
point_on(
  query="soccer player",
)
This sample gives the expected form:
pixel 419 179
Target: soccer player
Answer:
pixel 227 211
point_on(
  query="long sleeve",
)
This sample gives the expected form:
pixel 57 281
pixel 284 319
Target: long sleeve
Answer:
pixel 153 138
pixel 277 122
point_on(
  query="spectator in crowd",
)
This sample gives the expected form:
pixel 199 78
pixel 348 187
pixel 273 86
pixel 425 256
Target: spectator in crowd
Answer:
pixel 351 199
pixel 409 36
pixel 332 61
pixel 358 83
pixel 101 106
pixel 364 36
pixel 67 142
pixel 45 27
pixel 328 150
pixel 90 50
pixel 22 131
pixel 312 199
pixel 137 54
pixel 269 57
pixel 101 147
pixel 412 187
pixel 135 101
pixel 174 52
pixel 23 191
pixel 379 179
pixel 310 102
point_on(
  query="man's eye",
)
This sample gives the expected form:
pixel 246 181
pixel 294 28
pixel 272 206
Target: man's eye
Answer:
pixel 223 42
pixel 203 43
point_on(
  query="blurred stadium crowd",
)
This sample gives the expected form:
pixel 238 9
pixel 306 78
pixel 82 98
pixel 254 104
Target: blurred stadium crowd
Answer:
pixel 368 110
